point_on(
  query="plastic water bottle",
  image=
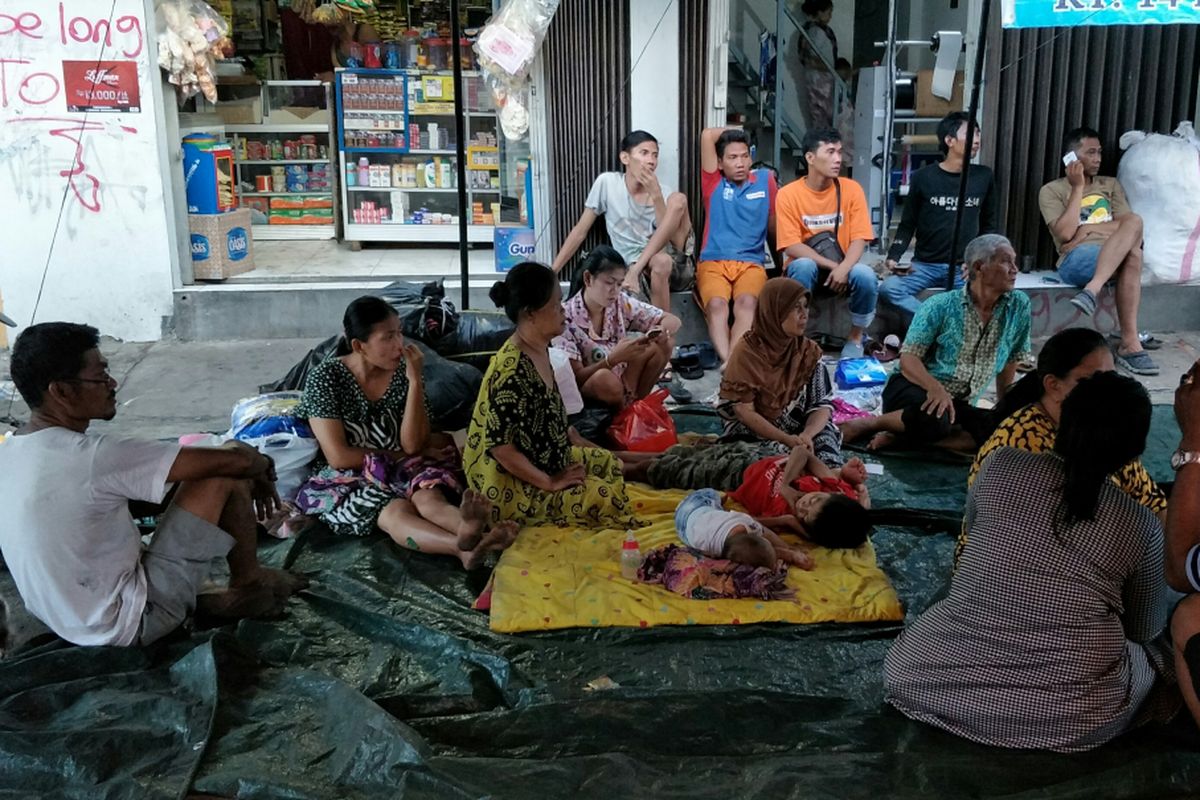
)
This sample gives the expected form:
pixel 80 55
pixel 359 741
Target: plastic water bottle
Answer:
pixel 631 557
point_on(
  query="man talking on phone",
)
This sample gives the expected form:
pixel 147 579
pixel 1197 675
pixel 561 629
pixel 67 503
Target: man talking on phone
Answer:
pixel 929 213
pixel 1099 239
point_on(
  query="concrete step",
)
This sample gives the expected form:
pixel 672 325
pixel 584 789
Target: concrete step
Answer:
pixel 314 308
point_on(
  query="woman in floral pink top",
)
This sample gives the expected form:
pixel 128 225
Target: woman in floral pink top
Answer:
pixel 610 366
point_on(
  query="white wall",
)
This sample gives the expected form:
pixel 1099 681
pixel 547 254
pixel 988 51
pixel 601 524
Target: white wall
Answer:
pixel 95 212
pixel 653 88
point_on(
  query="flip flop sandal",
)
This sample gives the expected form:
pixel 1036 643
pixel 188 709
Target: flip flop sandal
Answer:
pixel 1138 363
pixel 708 356
pixel 1085 301
pixel 1149 340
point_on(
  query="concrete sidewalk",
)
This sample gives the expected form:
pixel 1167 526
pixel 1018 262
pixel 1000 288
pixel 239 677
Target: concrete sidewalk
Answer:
pixel 169 388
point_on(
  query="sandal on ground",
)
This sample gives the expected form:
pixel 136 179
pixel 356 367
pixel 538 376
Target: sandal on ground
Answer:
pixel 1085 301
pixel 708 356
pixel 1149 340
pixel 1138 363
pixel 679 393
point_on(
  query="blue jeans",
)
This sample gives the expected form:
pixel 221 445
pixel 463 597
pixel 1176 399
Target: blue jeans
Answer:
pixel 864 287
pixel 1079 266
pixel 701 498
pixel 902 290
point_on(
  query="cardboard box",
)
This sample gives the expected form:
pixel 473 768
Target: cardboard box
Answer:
pixel 240 112
pixel 299 115
pixel 929 106
pixel 221 245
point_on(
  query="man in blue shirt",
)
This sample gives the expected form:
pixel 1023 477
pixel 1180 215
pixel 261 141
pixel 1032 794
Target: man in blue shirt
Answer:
pixel 740 206
pixel 958 342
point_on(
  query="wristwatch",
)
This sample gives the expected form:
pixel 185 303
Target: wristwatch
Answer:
pixel 1182 457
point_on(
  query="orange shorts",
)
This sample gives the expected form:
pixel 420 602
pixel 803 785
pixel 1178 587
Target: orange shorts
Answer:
pixel 728 279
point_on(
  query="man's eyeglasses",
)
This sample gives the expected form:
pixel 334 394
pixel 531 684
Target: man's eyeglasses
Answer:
pixel 105 380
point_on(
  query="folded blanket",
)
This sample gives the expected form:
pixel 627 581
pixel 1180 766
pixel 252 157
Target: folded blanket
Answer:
pixel 692 574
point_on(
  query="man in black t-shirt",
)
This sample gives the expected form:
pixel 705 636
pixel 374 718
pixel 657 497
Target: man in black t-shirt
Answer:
pixel 929 212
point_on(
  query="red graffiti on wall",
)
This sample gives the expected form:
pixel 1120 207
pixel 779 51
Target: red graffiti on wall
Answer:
pixel 31 86
pixel 83 184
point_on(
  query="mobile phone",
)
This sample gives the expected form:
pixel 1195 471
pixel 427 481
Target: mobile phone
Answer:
pixel 1070 158
pixel 654 333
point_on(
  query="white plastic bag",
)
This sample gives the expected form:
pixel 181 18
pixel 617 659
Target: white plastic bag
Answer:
pixel 1161 178
pixel 507 46
pixel 292 455
pixel 564 376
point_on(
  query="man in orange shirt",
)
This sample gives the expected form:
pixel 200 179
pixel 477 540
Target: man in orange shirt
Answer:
pixel 835 210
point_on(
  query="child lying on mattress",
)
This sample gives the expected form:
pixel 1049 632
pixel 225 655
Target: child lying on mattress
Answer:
pixel 704 525
pixel 800 494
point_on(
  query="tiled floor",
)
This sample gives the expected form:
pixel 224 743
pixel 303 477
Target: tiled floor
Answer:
pixel 329 260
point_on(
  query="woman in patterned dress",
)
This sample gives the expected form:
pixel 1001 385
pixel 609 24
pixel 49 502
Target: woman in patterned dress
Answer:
pixel 610 366
pixel 1031 409
pixel 1049 637
pixel 366 406
pixel 521 455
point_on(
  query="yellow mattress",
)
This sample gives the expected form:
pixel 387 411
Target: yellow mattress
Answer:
pixel 566 578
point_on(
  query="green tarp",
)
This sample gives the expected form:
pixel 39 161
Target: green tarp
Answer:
pixel 381 682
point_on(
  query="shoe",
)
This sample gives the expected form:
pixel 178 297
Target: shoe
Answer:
pixel 1085 301
pixel 852 349
pixel 708 356
pixel 1149 340
pixel 679 393
pixel 1138 363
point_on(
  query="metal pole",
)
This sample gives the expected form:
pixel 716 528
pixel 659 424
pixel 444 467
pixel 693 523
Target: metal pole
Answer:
pixel 969 143
pixel 889 122
pixel 776 130
pixel 460 147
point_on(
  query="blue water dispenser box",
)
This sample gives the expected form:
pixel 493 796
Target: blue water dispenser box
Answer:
pixel 856 373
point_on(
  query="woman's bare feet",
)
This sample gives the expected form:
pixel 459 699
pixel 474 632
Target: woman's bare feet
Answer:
pixel 475 512
pixel 500 537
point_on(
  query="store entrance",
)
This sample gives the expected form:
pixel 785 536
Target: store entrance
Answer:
pixel 343 141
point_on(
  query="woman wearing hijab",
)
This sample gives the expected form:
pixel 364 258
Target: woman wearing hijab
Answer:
pixel 775 396
pixel 775 388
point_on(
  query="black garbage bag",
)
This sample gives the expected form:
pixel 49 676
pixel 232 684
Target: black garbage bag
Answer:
pixel 472 337
pixel 450 387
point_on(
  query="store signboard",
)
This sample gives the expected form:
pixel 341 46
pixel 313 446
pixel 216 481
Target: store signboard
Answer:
pixel 1069 13
pixel 110 86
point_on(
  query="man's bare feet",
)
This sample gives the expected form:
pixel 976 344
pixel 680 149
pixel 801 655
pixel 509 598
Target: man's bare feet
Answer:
pixel 856 428
pixel 281 582
pixel 500 537
pixel 246 602
pixel 475 512
pixel 881 441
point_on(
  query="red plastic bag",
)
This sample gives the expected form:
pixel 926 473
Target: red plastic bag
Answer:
pixel 644 426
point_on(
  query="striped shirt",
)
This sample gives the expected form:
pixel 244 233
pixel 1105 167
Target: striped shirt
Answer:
pixel 1048 637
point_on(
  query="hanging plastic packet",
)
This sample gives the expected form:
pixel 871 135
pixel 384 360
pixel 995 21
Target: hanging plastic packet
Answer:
pixel 507 47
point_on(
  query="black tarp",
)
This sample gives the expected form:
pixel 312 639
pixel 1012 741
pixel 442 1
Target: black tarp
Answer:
pixel 382 682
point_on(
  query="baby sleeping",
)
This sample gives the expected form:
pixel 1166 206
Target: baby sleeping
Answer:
pixel 704 525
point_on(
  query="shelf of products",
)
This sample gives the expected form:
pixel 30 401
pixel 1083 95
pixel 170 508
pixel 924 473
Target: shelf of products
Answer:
pixel 286 170
pixel 399 158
